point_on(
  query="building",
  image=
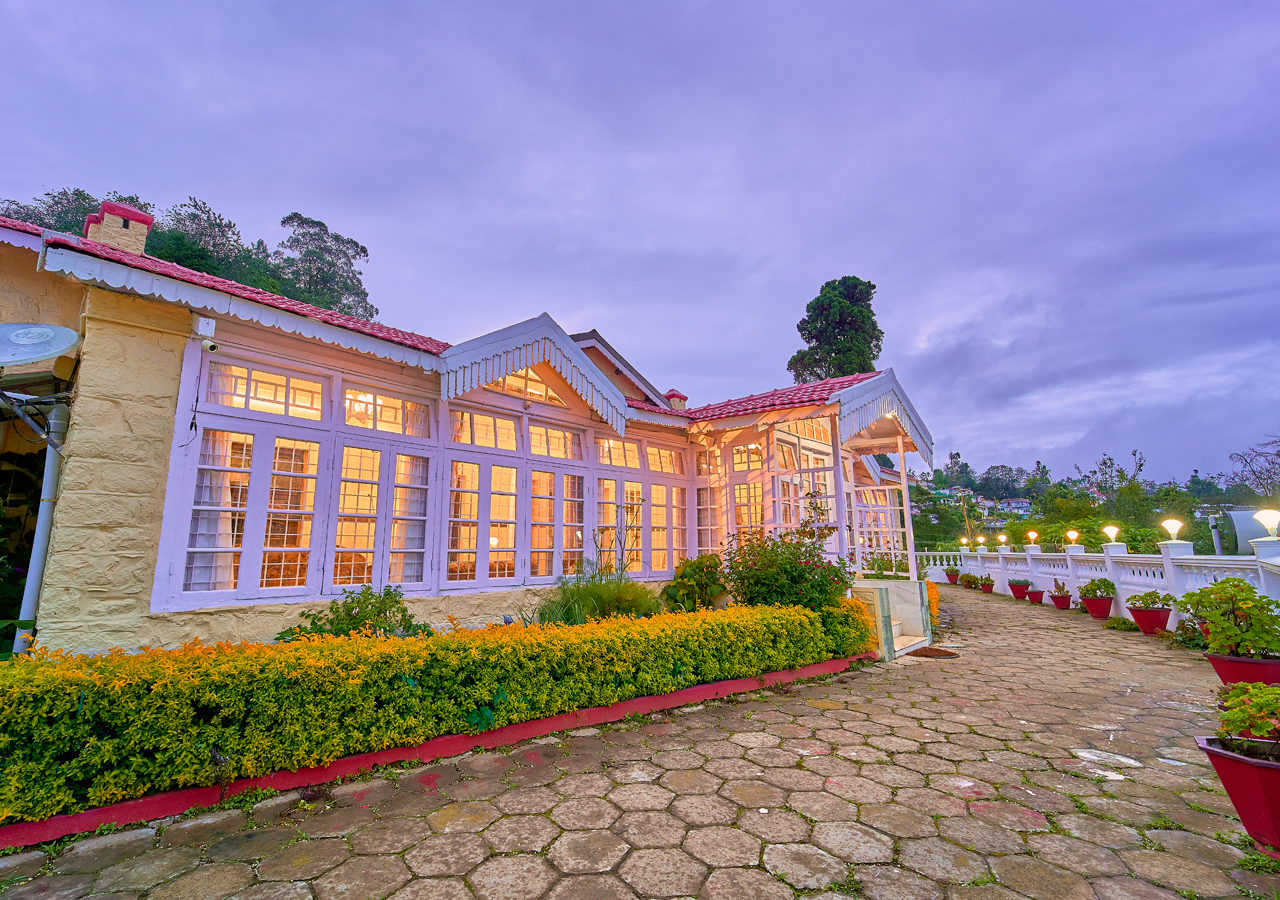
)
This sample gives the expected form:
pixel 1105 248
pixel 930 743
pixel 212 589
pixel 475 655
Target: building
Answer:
pixel 1016 505
pixel 235 457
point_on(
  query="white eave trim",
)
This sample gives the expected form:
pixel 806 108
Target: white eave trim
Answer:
pixel 473 364
pixel 119 277
pixel 16 238
pixel 862 405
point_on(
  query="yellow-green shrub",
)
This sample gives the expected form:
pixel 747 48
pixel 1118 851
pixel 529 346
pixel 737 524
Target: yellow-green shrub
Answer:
pixel 84 731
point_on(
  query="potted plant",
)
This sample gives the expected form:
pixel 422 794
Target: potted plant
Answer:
pixel 1243 630
pixel 968 580
pixel 1061 597
pixel 1151 611
pixel 987 583
pixel 952 573
pixel 1097 595
pixel 1246 756
pixel 1035 596
pixel 1018 587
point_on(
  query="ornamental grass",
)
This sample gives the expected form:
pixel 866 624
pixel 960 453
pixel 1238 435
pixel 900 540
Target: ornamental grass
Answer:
pixel 84 731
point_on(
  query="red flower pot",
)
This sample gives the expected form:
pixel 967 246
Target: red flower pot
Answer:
pixel 953 578
pixel 1233 669
pixel 987 588
pixel 1019 591
pixel 1035 596
pixel 1062 601
pixel 1204 629
pixel 1253 786
pixel 1099 607
pixel 1150 620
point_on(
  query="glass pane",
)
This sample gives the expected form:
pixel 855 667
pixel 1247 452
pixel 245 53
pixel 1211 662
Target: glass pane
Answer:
pixel 359 408
pixel 502 564
pixel 657 537
pixel 211 572
pixel 538 440
pixel 504 479
pixel 540 564
pixel 659 563
pixel 573 512
pixel 464 475
pixel 417 421
pixel 226 450
pixel 407 568
pixel 542 537
pixel 484 431
pixel 543 510
pixel 305 399
pixel 502 506
pixel 408 535
pixel 464 505
pixel 227 489
pixel 352 568
pixel 390 414
pixel 461 567
pixel 354 534
pixel 360 463
pixel 289 492
pixel 506 434
pixel 572 538
pixel 460 427
pixel 267 393
pixel 411 470
pixel 659 494
pixel 296 457
pixel 411 502
pixel 544 484
pixel 216 529
pixel 633 455
pixel 573 486
pixel 284 570
pixel 502 535
pixel 288 531
pixel 571 562
pixel 227 387
pixel 462 536
pixel 357 498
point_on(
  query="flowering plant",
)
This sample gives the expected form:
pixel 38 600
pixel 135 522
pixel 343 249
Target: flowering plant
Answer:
pixel 1249 721
pixel 986 579
pixel 1151 600
pixel 784 569
pixel 1097 587
pixel 950 570
pixel 968 579
pixel 1241 621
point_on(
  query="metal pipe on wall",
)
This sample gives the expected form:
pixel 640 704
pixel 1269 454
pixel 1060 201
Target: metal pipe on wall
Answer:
pixel 58 419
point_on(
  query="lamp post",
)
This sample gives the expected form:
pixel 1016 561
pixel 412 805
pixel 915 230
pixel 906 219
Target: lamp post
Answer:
pixel 1176 578
pixel 1267 547
pixel 1031 545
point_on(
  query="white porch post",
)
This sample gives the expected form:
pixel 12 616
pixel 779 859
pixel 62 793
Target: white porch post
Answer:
pixel 906 510
pixel 842 516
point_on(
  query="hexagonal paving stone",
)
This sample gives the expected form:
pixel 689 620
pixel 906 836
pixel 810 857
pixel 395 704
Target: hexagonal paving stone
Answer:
pixel 587 852
pixel 1089 860
pixel 252 844
pixel 853 843
pixel 744 884
pixel 755 739
pixel 579 786
pixel 980 836
pixel 1177 873
pixel 363 793
pixel 487 765
pixel 690 781
pixel 146 871
pixel 897 820
pixel 753 794
pixel 962 786
pixel 777 826
pixel 859 790
pixel 1008 815
pixel 304 860
pixel 1038 798
pixel 822 807
pixel 721 847
pixel 732 769
pixel 663 873
pixel 474 789
pixel 536 755
pixel 704 810
pixel 431 778
pixel 1039 880
pixel 464 817
pixel 585 814
pixel 637 772
pixel 531 834
pixel 942 861
pixel 1106 834
pixel 631 797
pixel 766 756
pixel 447 854
pixel 679 759
pixel 97 853
pixel 512 878
pixel 1197 848
pixel 526 801
pixel 649 830
pixel 205 829
pixel 590 887
pixel 389 836
pixel 281 890
pixel 804 866
pixel 337 821
pixel 1126 887
pixel 429 889
pixel 214 882
pixel 931 802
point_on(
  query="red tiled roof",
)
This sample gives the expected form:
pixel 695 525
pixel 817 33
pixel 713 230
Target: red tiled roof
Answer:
pixel 235 289
pixel 653 407
pixel 815 393
pixel 27 227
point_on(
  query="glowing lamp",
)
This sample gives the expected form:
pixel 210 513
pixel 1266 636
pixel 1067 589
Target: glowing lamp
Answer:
pixel 493 542
pixel 1031 537
pixel 1072 535
pixel 1002 538
pixel 1111 531
pixel 1269 519
pixel 964 541
pixel 1173 526
pixel 982 539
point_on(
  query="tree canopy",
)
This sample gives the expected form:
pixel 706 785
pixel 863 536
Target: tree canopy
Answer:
pixel 841 332
pixel 312 264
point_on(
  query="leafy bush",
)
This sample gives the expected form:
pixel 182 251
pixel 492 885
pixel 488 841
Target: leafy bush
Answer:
pixel 1097 587
pixel 969 580
pixel 593 593
pixel 1249 719
pixel 1241 621
pixel 950 570
pixel 782 570
pixel 986 579
pixel 1026 581
pixel 1060 588
pixel 696 584
pixel 84 731
pixel 1189 635
pixel 1120 623
pixel 1151 600
pixel 382 612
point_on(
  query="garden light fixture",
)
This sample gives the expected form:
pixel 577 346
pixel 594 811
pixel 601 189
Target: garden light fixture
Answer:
pixel 1031 537
pixel 1173 526
pixel 1072 535
pixel 964 541
pixel 1269 519
pixel 1111 531
pixel 982 539
pixel 1002 538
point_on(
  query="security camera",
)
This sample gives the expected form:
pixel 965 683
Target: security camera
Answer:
pixel 211 346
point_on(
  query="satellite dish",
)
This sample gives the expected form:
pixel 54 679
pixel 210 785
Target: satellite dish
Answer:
pixel 28 342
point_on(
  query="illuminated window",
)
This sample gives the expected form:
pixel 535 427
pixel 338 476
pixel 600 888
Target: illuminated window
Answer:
pixel 748 457
pixel 786 455
pixel 659 528
pixel 748 509
pixel 607 522
pixel 357 516
pixel 571 533
pixel 542 527
pixel 708 519
pixel 365 409
pixel 631 524
pixel 680 522
pixel 464 520
pixel 554 442
pixel 611 452
pixel 482 431
pixel 527 383
pixel 788 502
pixel 242 387
pixel 291 503
pixel 409 521
pixel 217 522
pixel 814 429
pixel 502 522
pixel 708 462
pixel 664 460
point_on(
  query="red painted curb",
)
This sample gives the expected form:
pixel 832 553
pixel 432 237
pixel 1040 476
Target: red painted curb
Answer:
pixel 173 803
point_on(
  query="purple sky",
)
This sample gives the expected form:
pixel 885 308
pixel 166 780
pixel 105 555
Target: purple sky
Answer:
pixel 1072 210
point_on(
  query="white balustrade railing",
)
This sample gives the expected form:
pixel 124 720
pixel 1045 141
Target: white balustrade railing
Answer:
pixel 1174 570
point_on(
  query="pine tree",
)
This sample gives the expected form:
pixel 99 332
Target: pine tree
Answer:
pixel 840 328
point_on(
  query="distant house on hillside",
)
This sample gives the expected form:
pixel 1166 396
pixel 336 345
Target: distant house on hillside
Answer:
pixel 1016 505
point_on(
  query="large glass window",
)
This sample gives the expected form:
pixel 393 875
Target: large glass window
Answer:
pixel 708 519
pixel 542 527
pixel 217 521
pixel 357 516
pixel 409 521
pixel 502 522
pixel 257 390
pixel 571 534
pixel 607 522
pixel 291 505
pixel 708 462
pixel 680 523
pixel 611 452
pixel 527 383
pixel 554 442
pixel 464 520
pixel 363 408
pixel 659 528
pixel 481 430
pixel 748 457
pixel 748 509
pixel 663 460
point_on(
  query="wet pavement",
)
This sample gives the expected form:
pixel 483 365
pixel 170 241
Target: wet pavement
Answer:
pixel 1052 759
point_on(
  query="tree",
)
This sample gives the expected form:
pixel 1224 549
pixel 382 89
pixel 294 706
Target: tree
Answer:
pixel 66 209
pixel 840 328
pixel 956 473
pixel 195 219
pixel 1002 482
pixel 323 266
pixel 1258 467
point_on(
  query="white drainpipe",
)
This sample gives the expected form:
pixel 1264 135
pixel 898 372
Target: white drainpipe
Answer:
pixel 58 420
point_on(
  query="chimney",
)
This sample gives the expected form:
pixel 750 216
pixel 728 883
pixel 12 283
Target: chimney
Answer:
pixel 675 398
pixel 120 226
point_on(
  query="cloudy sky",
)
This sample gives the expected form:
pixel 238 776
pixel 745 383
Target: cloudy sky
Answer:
pixel 1071 210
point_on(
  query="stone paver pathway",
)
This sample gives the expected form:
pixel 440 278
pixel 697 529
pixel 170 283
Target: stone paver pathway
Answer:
pixel 1052 759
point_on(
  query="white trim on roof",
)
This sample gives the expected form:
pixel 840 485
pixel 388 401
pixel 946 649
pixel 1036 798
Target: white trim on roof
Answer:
pixel 119 277
pixel 483 360
pixel 864 404
pixel 19 238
